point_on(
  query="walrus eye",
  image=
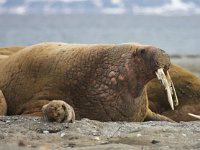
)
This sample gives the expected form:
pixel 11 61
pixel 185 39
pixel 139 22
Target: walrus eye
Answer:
pixel 133 54
pixel 142 51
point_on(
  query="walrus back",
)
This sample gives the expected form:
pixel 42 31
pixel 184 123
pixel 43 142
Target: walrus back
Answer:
pixel 47 67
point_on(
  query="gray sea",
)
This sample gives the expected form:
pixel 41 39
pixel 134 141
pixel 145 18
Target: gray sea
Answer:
pixel 176 35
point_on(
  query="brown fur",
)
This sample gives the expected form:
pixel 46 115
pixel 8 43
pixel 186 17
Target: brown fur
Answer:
pixel 5 52
pixel 10 50
pixel 3 105
pixel 102 82
pixel 188 91
pixel 58 111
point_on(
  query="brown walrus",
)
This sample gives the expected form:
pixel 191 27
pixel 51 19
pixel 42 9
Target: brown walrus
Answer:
pixel 101 82
pixel 188 91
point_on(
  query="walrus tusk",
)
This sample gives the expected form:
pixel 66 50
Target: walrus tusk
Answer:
pixel 161 76
pixel 195 116
pixel 173 89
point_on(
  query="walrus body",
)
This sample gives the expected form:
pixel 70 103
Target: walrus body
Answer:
pixel 188 91
pixel 101 82
pixel 5 52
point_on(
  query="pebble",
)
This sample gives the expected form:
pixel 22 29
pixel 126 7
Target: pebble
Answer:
pixel 62 134
pixel 22 143
pixel 155 141
pixel 97 138
pixel 8 121
pixel 184 135
pixel 164 130
pixel 45 132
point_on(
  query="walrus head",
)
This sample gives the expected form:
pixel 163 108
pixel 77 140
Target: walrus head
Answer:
pixel 154 62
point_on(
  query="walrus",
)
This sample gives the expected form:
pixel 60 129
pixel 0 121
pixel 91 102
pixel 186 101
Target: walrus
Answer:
pixel 105 82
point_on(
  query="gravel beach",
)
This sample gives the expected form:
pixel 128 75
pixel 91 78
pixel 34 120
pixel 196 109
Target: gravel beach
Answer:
pixel 25 133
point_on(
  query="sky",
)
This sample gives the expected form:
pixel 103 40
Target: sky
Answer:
pixel 141 7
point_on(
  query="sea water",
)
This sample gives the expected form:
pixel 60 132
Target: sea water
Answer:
pixel 175 34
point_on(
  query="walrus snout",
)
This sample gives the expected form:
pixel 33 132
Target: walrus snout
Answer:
pixel 161 59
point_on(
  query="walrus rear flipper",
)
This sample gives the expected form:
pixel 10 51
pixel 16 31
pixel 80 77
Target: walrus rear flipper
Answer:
pixel 151 116
pixel 3 104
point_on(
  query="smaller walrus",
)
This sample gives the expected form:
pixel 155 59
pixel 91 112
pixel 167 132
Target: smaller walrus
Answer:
pixel 105 82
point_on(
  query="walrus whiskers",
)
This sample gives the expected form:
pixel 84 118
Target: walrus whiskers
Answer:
pixel 168 86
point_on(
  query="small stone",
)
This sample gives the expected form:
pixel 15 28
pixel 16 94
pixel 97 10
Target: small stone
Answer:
pixel 62 134
pixel 155 141
pixel 164 130
pixel 138 135
pixel 45 132
pixel 8 121
pixel 97 138
pixel 72 145
pixel 184 135
pixel 22 143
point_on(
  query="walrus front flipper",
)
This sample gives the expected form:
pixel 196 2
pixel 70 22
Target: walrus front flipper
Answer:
pixel 55 110
pixel 59 111
pixel 151 116
pixel 3 104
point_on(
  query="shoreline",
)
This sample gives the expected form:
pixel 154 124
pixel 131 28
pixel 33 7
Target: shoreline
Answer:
pixel 178 56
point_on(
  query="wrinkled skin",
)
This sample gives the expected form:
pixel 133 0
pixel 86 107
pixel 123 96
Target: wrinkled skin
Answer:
pixel 188 91
pixel 101 82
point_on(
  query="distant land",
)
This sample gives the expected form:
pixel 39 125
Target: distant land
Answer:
pixel 135 7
